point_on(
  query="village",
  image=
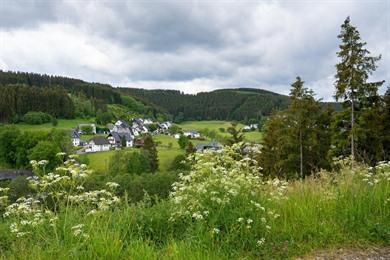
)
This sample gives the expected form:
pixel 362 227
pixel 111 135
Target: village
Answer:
pixel 123 134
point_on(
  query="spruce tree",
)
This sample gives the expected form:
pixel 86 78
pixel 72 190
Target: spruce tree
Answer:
pixel 150 148
pixel 352 74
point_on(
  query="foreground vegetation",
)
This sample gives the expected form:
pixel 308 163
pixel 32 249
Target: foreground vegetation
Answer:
pixel 221 209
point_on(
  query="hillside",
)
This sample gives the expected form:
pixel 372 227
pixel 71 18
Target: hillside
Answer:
pixel 225 104
pixel 64 97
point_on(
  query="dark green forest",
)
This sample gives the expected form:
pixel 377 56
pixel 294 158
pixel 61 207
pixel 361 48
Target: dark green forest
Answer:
pixel 228 104
pixel 64 97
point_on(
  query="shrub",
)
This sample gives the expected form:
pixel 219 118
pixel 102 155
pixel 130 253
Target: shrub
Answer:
pixel 36 118
pixel 129 162
pixel 183 141
pixel 223 199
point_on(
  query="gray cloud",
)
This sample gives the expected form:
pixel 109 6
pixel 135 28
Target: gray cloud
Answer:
pixel 192 46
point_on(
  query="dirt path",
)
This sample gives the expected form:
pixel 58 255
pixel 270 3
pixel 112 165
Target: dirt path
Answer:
pixel 374 253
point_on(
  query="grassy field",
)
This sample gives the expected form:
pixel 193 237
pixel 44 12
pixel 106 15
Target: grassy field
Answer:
pixel 215 125
pixel 63 124
pixel 99 161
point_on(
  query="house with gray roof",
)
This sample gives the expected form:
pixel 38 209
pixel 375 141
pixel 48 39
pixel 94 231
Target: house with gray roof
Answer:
pixel 98 144
pixel 120 139
pixel 213 146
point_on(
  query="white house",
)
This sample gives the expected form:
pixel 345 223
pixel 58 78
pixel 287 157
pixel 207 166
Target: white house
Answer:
pixel 213 146
pixel 176 136
pixel 148 121
pixel 192 134
pixel 119 139
pixel 75 136
pixel 98 144
pixel 139 126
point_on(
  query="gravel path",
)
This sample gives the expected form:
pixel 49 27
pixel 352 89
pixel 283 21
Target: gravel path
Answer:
pixel 374 253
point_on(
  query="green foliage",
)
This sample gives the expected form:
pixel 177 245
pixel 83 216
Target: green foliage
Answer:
pixel 227 104
pixel 180 163
pixel 84 107
pixel 45 150
pixel 221 210
pixel 103 118
pixel 174 129
pixel 183 141
pixel 17 100
pixel 54 121
pixel 352 75
pixel 297 140
pixel 236 135
pixel 129 162
pixel 19 187
pixel 151 150
pixel 36 118
pixel 16 146
pixel 87 129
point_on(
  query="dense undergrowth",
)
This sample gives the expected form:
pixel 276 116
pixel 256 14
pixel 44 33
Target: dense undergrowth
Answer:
pixel 222 209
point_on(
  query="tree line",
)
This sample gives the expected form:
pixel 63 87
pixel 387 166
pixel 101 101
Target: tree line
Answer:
pixel 305 137
pixel 227 104
pixel 17 100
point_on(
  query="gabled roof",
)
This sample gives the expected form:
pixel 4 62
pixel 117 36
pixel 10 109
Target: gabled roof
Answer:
pixel 118 136
pixel 122 123
pixel 74 133
pixel 99 140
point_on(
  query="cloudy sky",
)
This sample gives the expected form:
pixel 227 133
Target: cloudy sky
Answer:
pixel 192 46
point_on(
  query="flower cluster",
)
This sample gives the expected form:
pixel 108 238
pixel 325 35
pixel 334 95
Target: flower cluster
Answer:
pixel 63 187
pixel 224 193
pixel 98 200
pixel 374 175
pixel 27 214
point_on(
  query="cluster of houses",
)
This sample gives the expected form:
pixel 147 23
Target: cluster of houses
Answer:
pixel 120 134
pixel 124 134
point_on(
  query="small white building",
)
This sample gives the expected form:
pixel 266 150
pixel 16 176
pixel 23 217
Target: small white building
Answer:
pixel 192 134
pixel 75 137
pixel 98 144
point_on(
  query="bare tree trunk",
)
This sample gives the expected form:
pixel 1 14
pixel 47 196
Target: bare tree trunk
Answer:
pixel 301 153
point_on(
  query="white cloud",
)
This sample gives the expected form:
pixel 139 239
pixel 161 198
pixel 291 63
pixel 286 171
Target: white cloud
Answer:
pixel 193 47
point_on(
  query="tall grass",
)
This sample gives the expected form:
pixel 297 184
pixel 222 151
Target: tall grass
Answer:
pixel 331 210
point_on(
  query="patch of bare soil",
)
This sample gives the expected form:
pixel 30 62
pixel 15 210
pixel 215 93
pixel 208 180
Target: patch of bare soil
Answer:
pixel 373 253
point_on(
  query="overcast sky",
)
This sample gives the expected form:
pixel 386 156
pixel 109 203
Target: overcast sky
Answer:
pixel 191 46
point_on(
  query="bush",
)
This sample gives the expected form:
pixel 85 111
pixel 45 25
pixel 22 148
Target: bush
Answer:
pixel 223 200
pixel 180 163
pixel 183 141
pixel 54 121
pixel 36 118
pixel 129 162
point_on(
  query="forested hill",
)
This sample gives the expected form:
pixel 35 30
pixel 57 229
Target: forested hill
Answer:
pixel 225 104
pixel 62 97
pixel 97 91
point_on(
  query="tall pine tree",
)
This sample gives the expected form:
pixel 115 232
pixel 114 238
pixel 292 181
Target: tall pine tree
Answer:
pixel 352 74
